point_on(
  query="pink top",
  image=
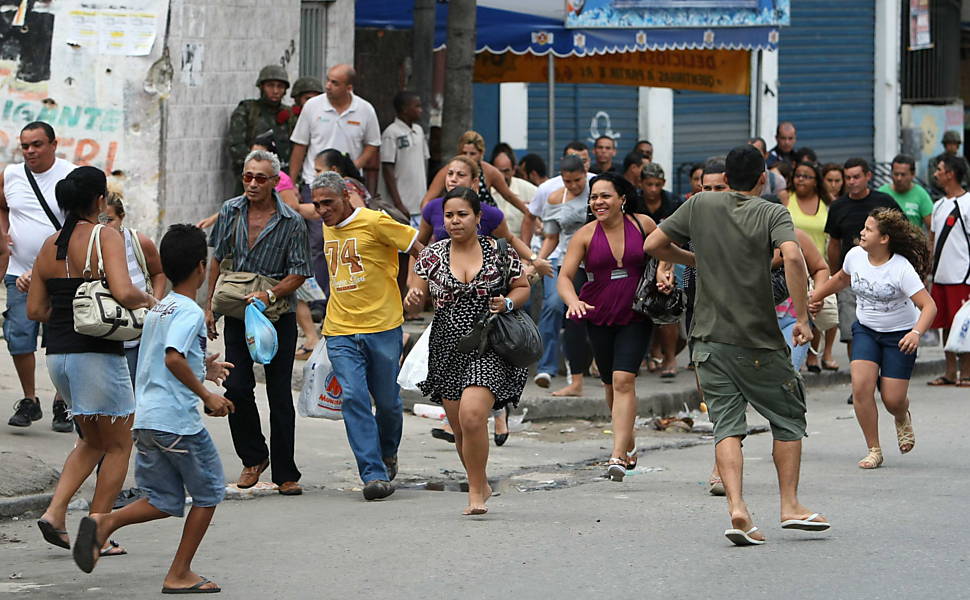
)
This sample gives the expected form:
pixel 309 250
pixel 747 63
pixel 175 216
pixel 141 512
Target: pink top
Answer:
pixel 610 288
pixel 285 183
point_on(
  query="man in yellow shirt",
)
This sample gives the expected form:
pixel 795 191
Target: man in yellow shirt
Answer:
pixel 363 325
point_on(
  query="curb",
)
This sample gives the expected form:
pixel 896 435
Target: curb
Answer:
pixel 18 505
pixel 656 403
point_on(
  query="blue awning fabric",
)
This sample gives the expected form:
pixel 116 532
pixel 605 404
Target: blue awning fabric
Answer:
pixel 505 26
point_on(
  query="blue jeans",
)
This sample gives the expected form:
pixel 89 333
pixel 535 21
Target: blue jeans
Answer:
pixel 798 353
pixel 366 365
pixel 550 324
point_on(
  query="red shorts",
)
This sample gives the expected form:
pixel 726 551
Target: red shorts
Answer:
pixel 949 298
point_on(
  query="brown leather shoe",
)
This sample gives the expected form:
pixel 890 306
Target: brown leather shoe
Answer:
pixel 250 475
pixel 290 488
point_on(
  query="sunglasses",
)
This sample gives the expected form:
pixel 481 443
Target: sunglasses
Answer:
pixel 259 177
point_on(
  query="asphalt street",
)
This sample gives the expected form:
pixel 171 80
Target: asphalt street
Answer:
pixel 557 528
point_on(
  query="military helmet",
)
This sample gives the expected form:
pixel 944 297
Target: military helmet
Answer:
pixel 951 137
pixel 306 84
pixel 273 73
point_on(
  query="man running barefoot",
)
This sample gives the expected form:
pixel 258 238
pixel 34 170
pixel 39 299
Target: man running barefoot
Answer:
pixel 740 354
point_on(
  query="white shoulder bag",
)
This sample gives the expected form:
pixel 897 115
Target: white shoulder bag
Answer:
pixel 96 312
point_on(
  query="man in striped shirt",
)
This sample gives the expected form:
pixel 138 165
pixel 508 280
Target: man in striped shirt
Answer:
pixel 261 234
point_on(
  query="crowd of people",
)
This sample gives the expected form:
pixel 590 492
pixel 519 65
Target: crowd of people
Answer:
pixel 804 251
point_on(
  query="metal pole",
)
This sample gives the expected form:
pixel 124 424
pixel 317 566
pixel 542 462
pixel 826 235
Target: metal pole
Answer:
pixel 552 112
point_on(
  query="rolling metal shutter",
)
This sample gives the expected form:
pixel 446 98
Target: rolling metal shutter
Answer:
pixel 826 77
pixel 706 125
pixel 584 112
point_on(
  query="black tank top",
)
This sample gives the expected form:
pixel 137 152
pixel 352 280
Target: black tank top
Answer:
pixel 61 337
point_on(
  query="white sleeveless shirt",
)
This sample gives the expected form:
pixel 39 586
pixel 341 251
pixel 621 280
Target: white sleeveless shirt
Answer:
pixel 29 224
pixel 134 270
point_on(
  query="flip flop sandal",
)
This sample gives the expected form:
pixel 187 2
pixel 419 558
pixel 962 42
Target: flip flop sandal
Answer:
pixel 86 544
pixel 653 363
pixel 872 460
pixel 668 373
pixel 616 469
pixel 942 381
pixel 813 368
pixel 807 524
pixel 830 365
pixel 905 435
pixel 52 535
pixel 963 383
pixel 195 589
pixel 716 486
pixel 742 538
pixel 113 549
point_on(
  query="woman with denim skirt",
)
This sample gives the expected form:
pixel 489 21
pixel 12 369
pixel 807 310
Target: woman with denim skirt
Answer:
pixel 90 373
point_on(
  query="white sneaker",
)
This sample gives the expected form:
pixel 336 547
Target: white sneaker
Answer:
pixel 543 380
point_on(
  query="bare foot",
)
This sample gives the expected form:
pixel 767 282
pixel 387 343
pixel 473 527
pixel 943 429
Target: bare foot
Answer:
pixel 476 502
pixel 188 580
pixel 571 390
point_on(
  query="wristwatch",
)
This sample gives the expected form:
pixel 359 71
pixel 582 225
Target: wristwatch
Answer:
pixel 534 257
pixel 509 305
pixel 271 296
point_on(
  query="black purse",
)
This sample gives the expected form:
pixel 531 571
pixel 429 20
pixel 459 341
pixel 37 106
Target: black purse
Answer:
pixel 648 300
pixel 512 335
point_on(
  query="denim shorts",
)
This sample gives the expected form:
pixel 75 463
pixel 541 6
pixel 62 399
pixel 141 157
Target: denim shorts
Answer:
pixel 882 348
pixel 93 383
pixel 168 464
pixel 19 331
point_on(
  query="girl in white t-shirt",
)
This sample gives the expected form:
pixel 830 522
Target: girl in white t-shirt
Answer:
pixel 893 309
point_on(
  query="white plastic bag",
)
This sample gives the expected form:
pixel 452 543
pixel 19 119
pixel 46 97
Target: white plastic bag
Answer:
pixel 415 367
pixel 959 340
pixel 322 394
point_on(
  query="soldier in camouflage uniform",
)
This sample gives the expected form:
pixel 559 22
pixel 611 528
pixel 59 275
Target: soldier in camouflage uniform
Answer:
pixel 258 115
pixel 304 89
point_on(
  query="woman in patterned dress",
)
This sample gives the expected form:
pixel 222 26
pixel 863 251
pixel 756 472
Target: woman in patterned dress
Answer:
pixel 464 279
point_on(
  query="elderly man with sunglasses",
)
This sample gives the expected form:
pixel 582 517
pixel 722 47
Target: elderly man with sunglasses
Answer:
pixel 261 234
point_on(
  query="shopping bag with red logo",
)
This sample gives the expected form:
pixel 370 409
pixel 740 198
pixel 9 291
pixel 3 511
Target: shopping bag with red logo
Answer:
pixel 322 394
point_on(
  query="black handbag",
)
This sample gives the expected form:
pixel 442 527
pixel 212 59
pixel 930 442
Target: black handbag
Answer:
pixel 660 308
pixel 512 335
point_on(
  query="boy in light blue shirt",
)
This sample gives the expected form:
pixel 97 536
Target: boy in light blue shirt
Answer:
pixel 174 450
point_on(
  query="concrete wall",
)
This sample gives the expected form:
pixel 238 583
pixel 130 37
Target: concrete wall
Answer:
pixel 216 51
pixel 58 69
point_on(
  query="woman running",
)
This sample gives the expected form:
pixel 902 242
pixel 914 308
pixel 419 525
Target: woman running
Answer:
pixel 893 311
pixel 466 283
pixel 611 247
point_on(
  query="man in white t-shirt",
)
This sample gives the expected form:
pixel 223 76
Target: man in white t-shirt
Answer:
pixel 28 219
pixel 404 157
pixel 551 185
pixel 337 119
pixel 951 276
pixel 520 187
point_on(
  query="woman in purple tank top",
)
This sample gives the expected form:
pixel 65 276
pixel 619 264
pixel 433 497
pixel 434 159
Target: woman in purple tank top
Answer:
pixel 611 247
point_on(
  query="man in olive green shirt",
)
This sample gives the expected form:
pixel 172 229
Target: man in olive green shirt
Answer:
pixel 740 353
